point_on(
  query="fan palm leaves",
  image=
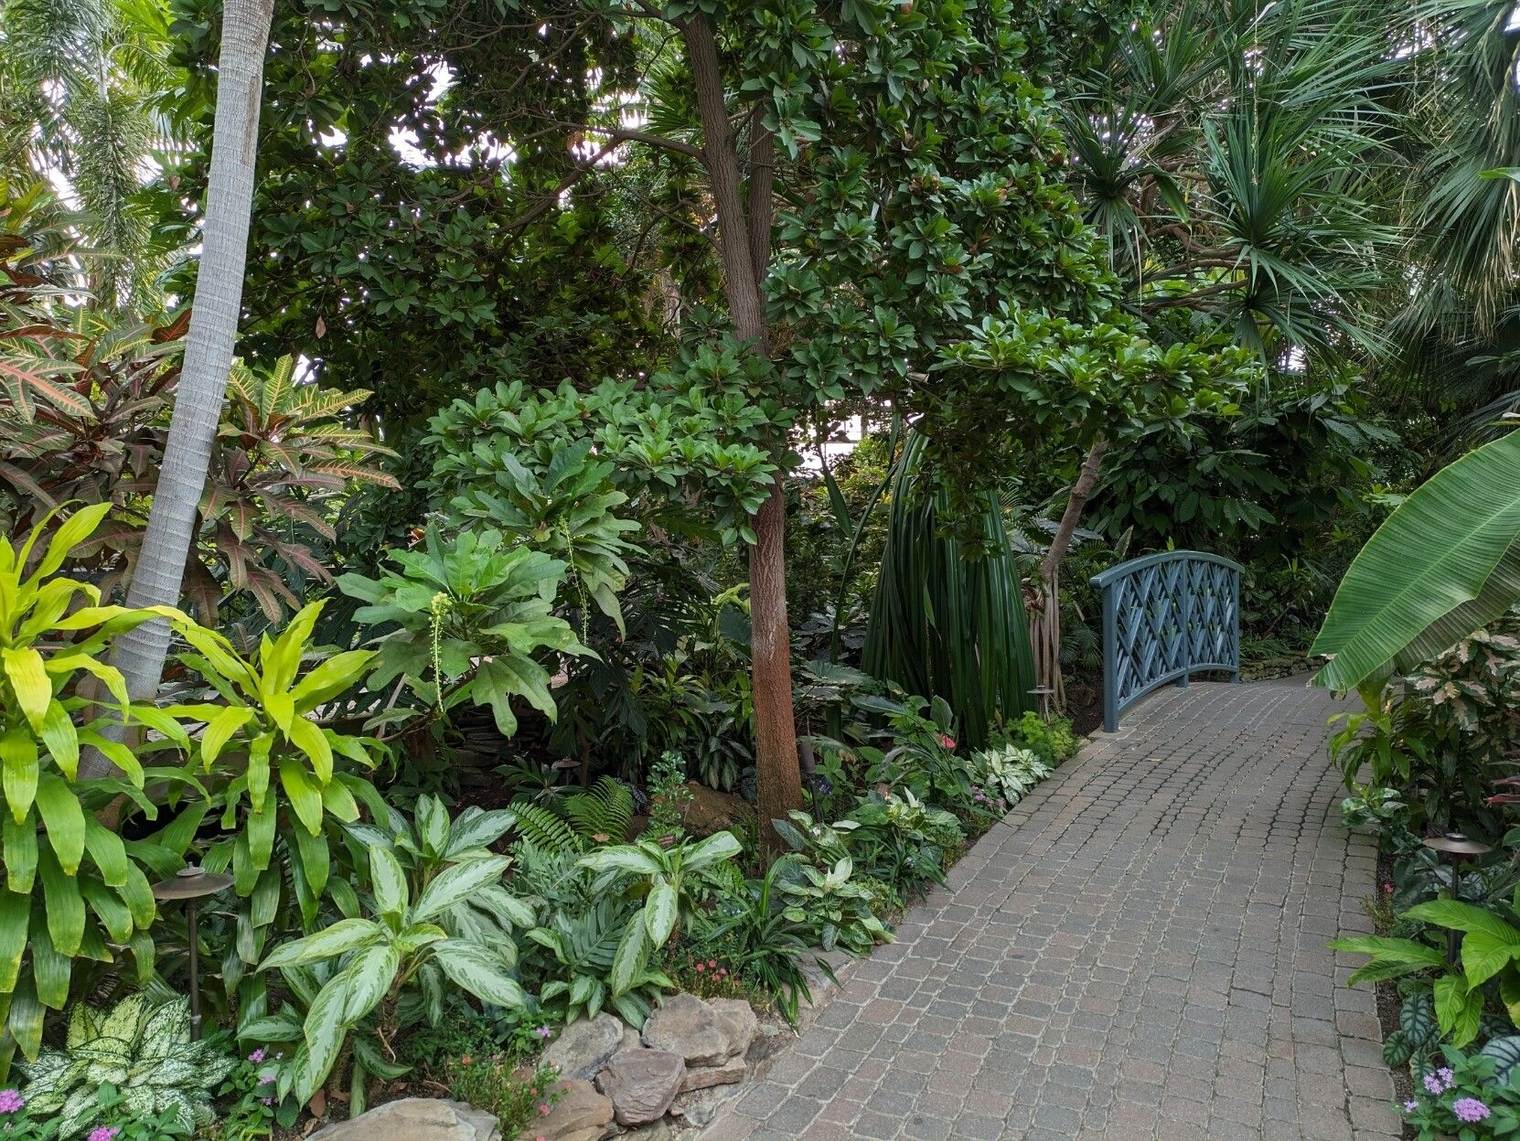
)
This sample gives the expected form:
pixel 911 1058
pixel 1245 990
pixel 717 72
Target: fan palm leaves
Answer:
pixel 1227 152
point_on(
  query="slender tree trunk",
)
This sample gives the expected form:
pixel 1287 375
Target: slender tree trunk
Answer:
pixel 209 347
pixel 1048 627
pixel 744 244
pixel 1087 479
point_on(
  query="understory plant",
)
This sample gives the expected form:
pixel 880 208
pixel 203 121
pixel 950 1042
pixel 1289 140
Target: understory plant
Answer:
pixel 74 889
pixel 142 1050
pixel 433 912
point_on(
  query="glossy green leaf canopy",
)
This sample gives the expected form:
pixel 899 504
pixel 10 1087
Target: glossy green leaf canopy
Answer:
pixel 1443 564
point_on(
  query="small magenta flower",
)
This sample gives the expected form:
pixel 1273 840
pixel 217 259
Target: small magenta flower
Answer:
pixel 10 1101
pixel 256 1057
pixel 1446 1077
pixel 109 1132
pixel 1411 1106
pixel 1469 1109
pixel 544 1032
pixel 1433 1085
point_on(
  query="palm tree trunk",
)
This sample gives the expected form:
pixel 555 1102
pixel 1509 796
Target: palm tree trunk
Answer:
pixel 209 347
pixel 744 244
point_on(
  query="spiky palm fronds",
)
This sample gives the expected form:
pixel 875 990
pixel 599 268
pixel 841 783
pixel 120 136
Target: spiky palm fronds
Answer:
pixel 82 84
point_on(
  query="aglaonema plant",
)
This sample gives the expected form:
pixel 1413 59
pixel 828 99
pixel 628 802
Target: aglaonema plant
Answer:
pixel 664 879
pixel 434 913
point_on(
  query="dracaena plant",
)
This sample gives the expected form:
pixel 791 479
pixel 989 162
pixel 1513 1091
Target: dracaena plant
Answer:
pixel 282 781
pixel 433 913
pixel 85 397
pixel 467 620
pixel 73 889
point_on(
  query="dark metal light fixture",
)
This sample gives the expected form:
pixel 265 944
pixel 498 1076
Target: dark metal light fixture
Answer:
pixel 1456 849
pixel 192 884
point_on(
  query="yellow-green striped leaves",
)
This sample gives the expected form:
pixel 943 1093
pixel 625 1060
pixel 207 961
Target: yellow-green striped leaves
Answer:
pixel 71 890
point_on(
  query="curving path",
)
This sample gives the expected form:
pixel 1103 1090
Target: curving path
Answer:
pixel 1137 952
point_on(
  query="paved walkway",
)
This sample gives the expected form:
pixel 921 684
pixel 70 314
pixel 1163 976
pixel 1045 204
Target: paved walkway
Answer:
pixel 1138 952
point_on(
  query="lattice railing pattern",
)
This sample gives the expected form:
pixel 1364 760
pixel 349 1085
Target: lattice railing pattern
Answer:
pixel 1166 617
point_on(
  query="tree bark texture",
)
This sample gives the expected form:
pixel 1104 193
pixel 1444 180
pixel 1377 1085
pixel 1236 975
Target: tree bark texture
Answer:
pixel 744 241
pixel 1047 625
pixel 209 348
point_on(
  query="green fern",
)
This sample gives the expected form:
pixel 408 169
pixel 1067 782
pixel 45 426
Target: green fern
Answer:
pixel 602 814
pixel 544 829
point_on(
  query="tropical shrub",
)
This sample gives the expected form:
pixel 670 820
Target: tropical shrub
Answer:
pixel 1440 737
pixel 1008 772
pixel 582 950
pixel 667 881
pixel 74 888
pixel 902 841
pixel 1051 740
pixel 434 910
pixel 465 621
pixel 141 1049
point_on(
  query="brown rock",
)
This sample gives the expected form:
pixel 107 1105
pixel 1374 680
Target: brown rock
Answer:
pixel 712 811
pixel 641 1084
pixel 687 1026
pixel 415 1119
pixel 581 1115
pixel 584 1045
pixel 739 1017
pixel 705 1077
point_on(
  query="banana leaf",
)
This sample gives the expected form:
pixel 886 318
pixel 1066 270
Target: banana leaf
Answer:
pixel 1445 563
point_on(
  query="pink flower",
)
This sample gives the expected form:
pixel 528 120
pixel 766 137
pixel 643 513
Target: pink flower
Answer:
pixel 1411 1106
pixel 947 741
pixel 256 1057
pixel 10 1101
pixel 701 966
pixel 543 1109
pixel 1469 1109
pixel 544 1032
pixel 712 964
pixel 109 1132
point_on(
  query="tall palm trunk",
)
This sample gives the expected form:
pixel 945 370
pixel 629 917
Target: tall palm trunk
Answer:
pixel 209 348
pixel 744 243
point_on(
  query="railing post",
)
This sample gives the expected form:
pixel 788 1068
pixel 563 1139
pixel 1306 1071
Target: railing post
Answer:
pixel 1111 657
pixel 1187 623
pixel 1235 623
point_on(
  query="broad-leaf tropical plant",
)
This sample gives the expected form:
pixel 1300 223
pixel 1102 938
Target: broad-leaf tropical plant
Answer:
pixel 1490 954
pixel 434 914
pixel 467 620
pixel 666 880
pixel 72 888
pixel 1446 562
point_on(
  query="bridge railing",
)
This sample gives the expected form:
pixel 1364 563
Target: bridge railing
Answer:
pixel 1166 617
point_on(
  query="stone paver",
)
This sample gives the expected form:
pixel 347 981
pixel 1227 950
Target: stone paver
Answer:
pixel 1137 952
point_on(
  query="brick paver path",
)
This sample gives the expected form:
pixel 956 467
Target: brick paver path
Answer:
pixel 1137 952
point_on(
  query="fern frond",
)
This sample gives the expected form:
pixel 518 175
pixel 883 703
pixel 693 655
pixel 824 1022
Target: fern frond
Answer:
pixel 543 829
pixel 603 811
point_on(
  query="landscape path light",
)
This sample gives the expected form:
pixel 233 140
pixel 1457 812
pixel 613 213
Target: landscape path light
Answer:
pixel 191 885
pixel 1456 849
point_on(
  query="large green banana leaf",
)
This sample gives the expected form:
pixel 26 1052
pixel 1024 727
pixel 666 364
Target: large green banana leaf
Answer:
pixel 1446 562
